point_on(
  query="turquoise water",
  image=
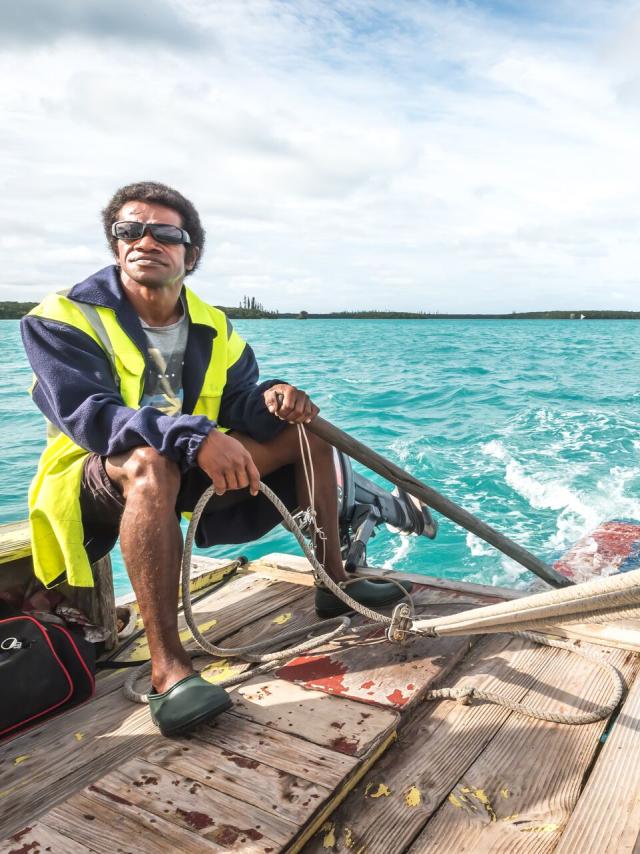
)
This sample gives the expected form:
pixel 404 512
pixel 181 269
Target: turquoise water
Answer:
pixel 532 425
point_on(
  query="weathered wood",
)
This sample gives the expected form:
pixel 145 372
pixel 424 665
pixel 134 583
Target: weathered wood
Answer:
pixel 435 749
pixel 623 634
pixel 98 602
pixel 300 564
pixel 519 793
pixel 194 806
pixel 331 722
pixel 76 749
pixel 369 668
pixel 281 750
pixel 241 601
pixel 607 815
pixel 41 839
pixel 106 823
pixel 246 778
pixel 15 541
pixel 85 743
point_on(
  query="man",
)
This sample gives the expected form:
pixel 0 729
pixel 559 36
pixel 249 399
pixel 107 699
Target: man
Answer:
pixel 151 396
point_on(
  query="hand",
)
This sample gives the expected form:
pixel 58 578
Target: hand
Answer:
pixel 290 404
pixel 228 463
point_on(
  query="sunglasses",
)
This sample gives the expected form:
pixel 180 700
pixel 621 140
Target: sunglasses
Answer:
pixel 160 231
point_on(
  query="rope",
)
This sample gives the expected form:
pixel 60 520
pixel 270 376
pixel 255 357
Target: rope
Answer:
pixel 465 693
pixel 531 613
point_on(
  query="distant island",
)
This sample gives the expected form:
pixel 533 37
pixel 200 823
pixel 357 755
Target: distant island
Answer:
pixel 250 309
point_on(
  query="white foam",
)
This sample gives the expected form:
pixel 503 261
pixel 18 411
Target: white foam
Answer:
pixel 478 547
pixel 495 449
pixel 400 553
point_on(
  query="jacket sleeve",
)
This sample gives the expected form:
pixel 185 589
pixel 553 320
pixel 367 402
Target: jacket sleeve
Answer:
pixel 75 389
pixel 242 407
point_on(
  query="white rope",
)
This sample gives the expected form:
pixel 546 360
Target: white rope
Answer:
pixel 465 693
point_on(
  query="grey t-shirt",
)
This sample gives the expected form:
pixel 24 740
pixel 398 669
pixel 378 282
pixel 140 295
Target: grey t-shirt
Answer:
pixel 163 380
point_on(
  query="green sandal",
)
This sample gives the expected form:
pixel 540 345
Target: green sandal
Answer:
pixel 189 702
pixel 373 594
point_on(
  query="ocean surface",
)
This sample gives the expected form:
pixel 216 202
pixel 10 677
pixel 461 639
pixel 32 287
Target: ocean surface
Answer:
pixel 531 425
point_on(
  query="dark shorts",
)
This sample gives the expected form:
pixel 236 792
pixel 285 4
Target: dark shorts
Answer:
pixel 235 517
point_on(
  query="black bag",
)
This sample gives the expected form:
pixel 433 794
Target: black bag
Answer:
pixel 45 668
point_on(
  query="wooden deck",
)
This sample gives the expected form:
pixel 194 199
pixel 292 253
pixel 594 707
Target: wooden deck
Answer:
pixel 337 751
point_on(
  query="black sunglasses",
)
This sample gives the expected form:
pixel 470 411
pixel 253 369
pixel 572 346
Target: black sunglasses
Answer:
pixel 160 231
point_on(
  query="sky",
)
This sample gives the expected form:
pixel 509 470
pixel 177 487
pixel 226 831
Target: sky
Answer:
pixel 343 154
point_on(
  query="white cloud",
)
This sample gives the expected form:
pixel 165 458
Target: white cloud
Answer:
pixel 348 154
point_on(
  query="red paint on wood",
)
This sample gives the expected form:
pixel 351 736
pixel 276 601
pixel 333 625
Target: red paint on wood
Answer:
pixel 397 698
pixel 345 745
pixel 316 671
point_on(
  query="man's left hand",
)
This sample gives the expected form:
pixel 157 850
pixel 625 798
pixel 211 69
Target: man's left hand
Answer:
pixel 290 404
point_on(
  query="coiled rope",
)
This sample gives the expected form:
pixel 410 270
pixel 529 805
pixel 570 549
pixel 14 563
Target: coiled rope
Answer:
pixel 518 618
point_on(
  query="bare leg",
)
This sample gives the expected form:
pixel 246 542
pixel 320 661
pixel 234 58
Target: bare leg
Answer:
pixel 151 543
pixel 285 450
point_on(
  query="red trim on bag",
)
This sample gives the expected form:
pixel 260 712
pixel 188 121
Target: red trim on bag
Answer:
pixel 71 640
pixel 63 668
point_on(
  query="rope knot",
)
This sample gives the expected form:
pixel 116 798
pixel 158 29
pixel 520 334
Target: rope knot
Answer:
pixel 465 694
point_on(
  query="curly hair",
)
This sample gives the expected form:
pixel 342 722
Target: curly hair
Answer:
pixel 159 194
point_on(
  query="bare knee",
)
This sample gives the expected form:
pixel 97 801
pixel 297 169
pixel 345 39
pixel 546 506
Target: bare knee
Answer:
pixel 320 450
pixel 144 469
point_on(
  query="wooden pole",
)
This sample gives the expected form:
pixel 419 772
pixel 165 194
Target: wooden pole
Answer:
pixel 393 473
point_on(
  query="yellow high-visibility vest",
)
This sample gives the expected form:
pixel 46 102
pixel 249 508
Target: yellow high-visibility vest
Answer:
pixel 55 517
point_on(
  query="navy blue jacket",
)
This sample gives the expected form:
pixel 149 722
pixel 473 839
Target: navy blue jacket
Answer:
pixel 76 391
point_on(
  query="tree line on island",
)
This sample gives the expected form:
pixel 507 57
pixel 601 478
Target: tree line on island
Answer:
pixel 251 309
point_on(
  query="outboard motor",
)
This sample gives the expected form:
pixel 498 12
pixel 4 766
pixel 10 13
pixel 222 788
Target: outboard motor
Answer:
pixel 362 506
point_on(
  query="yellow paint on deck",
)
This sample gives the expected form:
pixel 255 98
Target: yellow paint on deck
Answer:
pixel 381 791
pixel 219 669
pixel 481 795
pixel 185 634
pixel 505 792
pixel 329 840
pixel 541 828
pixel 348 837
pixel 456 802
pixel 281 619
pixel 413 798
pixel 20 759
pixel 78 736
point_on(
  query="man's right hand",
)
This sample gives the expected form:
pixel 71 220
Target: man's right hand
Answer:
pixel 228 463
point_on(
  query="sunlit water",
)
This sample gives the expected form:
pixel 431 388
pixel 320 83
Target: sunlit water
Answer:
pixel 532 425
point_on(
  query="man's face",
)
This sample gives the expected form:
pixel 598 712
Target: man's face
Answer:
pixel 146 261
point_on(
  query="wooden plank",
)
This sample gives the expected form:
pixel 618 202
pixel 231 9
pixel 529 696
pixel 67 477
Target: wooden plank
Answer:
pixel 110 824
pixel 519 793
pixel 246 778
pixel 40 839
pixel 435 749
pixel 300 564
pixel 197 807
pixel 15 541
pixel 280 750
pixel 78 748
pixel 369 668
pixel 241 601
pixel 98 602
pixel 621 634
pixel 607 815
pixel 84 743
pixel 322 719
